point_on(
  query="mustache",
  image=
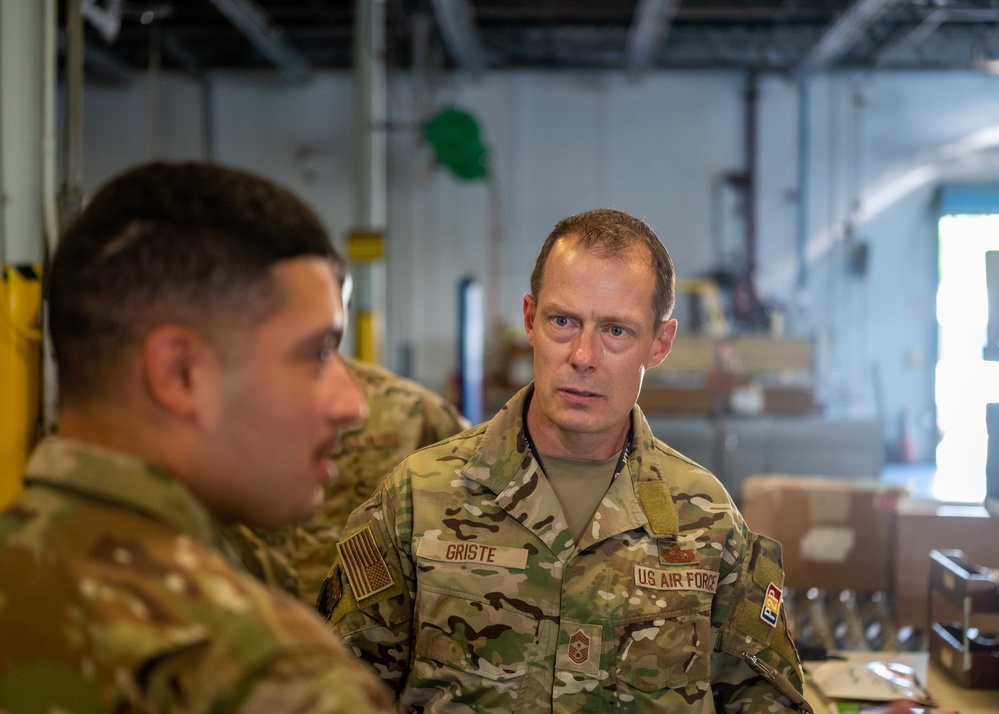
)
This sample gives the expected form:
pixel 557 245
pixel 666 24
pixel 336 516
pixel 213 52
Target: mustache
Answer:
pixel 331 447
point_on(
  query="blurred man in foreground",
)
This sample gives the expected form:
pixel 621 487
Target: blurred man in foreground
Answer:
pixel 195 317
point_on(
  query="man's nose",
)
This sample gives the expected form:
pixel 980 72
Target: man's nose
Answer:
pixel 346 402
pixel 585 349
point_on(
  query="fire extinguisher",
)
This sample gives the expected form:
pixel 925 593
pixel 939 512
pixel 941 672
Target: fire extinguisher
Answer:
pixel 20 373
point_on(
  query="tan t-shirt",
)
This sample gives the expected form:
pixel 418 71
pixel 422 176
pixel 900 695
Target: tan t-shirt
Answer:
pixel 579 485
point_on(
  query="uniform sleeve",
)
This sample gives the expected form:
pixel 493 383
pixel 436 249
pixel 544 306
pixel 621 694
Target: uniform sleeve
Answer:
pixel 277 657
pixel 314 685
pixel 367 595
pixel 755 666
pixel 264 555
pixel 440 420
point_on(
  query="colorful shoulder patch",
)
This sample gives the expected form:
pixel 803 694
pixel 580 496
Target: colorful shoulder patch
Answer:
pixel 771 605
pixel 363 562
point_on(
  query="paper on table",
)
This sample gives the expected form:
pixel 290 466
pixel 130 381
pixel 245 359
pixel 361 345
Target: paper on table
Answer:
pixel 869 676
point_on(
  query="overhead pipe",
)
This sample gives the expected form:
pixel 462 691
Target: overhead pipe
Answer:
pixel 648 32
pixel 841 35
pixel 269 40
pixel 804 140
pixel 101 62
pixel 457 25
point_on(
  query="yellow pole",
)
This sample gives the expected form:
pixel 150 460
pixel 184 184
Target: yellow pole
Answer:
pixel 366 251
pixel 20 373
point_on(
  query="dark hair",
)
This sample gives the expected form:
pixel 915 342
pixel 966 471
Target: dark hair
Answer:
pixel 192 243
pixel 612 234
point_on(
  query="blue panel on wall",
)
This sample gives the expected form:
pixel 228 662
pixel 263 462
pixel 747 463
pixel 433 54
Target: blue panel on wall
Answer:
pixel 969 200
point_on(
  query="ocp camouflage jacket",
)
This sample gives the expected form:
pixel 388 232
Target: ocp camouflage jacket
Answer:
pixel 459 583
pixel 117 595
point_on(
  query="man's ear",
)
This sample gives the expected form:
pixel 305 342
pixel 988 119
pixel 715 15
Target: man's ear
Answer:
pixel 175 364
pixel 529 308
pixel 662 343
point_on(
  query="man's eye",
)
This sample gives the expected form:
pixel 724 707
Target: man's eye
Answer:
pixel 561 321
pixel 326 352
pixel 617 331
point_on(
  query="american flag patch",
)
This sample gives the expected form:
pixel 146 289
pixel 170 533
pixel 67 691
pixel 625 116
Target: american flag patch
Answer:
pixel 364 565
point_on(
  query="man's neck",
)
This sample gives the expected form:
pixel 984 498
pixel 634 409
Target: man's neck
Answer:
pixel 118 430
pixel 591 446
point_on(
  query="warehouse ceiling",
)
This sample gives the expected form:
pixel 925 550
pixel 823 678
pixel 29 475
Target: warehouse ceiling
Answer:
pixel 294 38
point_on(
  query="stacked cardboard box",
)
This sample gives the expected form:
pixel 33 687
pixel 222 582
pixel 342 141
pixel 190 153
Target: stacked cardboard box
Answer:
pixel 836 533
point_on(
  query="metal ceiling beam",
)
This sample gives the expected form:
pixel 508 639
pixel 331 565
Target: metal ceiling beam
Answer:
pixel 106 65
pixel 842 35
pixel 268 38
pixel 648 32
pixel 181 55
pixel 457 26
pixel 914 38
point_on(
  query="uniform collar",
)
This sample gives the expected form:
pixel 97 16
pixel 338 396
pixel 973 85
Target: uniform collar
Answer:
pixel 503 460
pixel 124 480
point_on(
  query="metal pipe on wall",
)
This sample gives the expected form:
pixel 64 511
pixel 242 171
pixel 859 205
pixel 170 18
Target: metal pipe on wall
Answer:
pixel 21 103
pixel 804 129
pixel 752 109
pixel 71 196
pixel 366 244
pixel 49 46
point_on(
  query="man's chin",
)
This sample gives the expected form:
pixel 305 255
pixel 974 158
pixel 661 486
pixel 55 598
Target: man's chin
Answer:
pixel 574 422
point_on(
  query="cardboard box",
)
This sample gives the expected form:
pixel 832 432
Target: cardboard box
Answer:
pixel 709 396
pixel 836 533
pixel 789 400
pixel 922 526
pixel 746 354
pixel 679 400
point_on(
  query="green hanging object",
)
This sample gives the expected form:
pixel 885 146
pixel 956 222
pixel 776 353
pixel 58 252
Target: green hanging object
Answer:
pixel 454 134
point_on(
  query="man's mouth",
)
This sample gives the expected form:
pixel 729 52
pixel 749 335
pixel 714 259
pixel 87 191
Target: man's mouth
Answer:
pixel 581 393
pixel 324 456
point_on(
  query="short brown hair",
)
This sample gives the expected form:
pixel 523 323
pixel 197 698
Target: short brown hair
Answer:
pixel 612 233
pixel 191 243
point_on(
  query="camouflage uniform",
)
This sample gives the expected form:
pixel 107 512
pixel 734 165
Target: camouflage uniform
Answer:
pixel 114 596
pixel 404 416
pixel 459 582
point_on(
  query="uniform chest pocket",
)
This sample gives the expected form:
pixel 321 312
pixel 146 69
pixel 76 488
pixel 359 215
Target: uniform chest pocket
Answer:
pixel 664 652
pixel 482 640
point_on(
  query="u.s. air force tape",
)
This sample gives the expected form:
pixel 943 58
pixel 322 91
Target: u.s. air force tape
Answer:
pixel 363 563
pixel 479 553
pixel 676 579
